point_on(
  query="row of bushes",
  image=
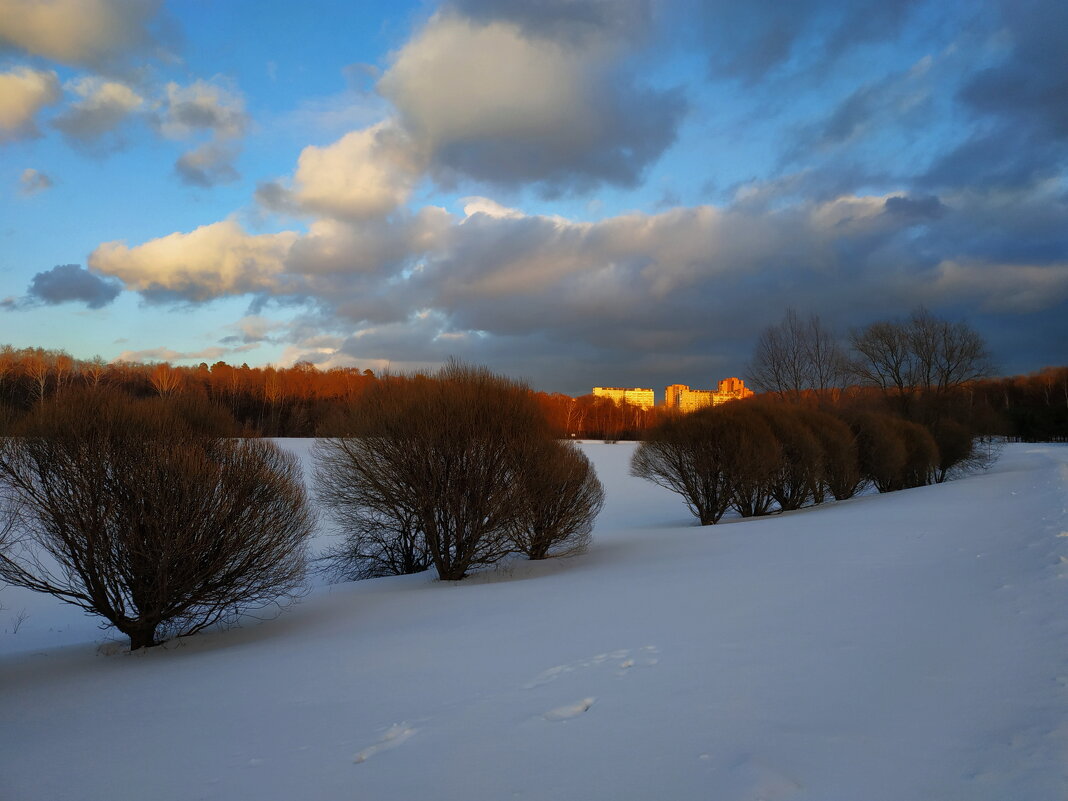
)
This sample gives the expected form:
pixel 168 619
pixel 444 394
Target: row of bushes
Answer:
pixel 760 457
pixel 125 509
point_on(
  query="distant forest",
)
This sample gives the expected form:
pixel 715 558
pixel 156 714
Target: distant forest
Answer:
pixel 304 401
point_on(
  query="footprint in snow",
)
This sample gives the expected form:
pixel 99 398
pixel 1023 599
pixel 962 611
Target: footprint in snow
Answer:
pixel 623 659
pixel 397 734
pixel 569 710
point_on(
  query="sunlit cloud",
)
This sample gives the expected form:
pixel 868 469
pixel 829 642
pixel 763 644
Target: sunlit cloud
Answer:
pixel 23 93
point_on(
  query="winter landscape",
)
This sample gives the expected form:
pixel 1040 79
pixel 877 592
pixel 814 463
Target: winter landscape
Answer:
pixel 555 400
pixel 909 645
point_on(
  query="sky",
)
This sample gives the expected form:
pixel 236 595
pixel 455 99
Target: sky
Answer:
pixel 573 192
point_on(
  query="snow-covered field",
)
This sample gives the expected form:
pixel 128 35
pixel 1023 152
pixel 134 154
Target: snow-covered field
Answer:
pixel 900 647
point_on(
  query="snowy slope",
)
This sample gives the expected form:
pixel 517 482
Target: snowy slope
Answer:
pixel 905 646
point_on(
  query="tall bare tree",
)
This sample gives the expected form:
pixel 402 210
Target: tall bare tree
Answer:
pixel 797 356
pixel 922 356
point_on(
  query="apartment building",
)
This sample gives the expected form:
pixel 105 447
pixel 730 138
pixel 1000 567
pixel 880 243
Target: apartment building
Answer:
pixel 636 396
pixel 681 397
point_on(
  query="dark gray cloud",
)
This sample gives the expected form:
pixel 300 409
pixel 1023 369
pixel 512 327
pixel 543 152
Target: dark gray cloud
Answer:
pixel 565 19
pixel 749 41
pixel 93 124
pixel 1019 105
pixel 1031 83
pixel 565 116
pixel 927 207
pixel 207 166
pixel 634 127
pixel 65 283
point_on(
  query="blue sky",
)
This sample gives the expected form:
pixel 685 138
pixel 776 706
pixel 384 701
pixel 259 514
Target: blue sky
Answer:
pixel 577 192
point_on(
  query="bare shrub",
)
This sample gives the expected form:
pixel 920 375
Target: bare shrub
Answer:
pixel 381 535
pixel 754 458
pixel 119 508
pixel 442 452
pixel 559 497
pixel 688 455
pixel 840 474
pixel 956 447
pixel 921 455
pixel 714 458
pixel 798 478
pixel 881 450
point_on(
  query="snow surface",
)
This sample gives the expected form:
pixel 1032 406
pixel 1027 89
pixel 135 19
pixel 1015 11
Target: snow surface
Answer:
pixel 898 647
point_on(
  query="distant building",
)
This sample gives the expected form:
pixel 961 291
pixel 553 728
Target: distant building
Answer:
pixel 681 397
pixel 636 396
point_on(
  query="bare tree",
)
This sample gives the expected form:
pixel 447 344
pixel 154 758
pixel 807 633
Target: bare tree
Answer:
pixel 923 356
pixel 559 498
pixel 795 357
pixel 118 508
pixel 165 379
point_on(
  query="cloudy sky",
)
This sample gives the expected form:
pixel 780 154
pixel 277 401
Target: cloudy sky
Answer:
pixel 577 192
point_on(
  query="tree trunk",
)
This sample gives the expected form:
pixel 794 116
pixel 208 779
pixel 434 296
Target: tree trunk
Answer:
pixel 141 636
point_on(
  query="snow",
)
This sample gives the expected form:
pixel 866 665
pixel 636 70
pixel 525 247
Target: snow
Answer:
pixel 903 646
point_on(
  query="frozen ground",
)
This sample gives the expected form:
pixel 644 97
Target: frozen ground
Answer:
pixel 900 647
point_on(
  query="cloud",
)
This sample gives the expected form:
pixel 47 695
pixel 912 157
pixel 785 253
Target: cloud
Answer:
pixel 208 165
pixel 1019 131
pixel 927 207
pixel 365 174
pixel 489 101
pixel 753 40
pixel 24 92
pixel 210 261
pixel 164 354
pixel 32 181
pixel 79 32
pixel 687 289
pixel 252 330
pixel 576 20
pixel 205 108
pixel 91 124
pixel 65 283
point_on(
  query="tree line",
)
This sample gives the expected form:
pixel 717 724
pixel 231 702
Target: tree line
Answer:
pixel 922 367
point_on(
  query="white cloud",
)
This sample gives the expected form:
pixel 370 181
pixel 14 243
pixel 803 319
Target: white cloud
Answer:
pixel 24 92
pixel 164 354
pixel 365 174
pixel 491 208
pixel 86 32
pixel 213 260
